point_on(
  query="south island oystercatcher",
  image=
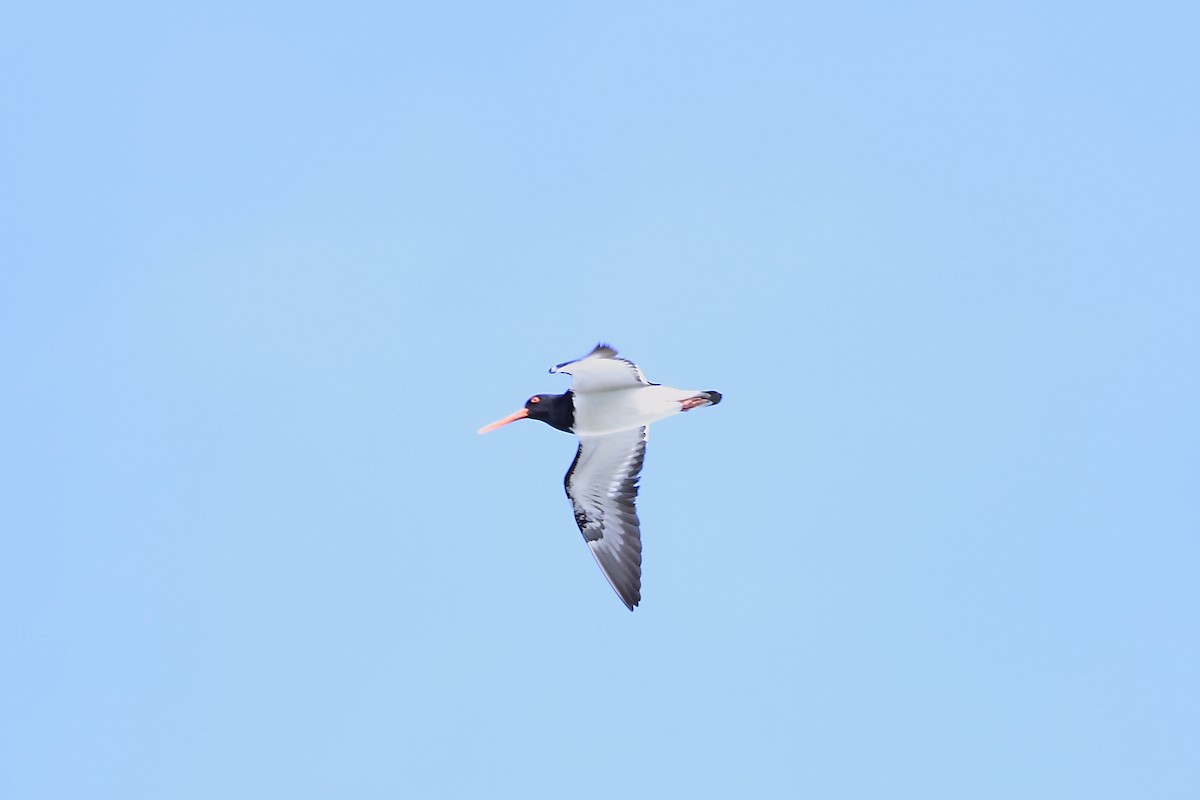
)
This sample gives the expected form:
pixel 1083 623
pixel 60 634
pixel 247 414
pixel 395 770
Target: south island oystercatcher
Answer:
pixel 609 406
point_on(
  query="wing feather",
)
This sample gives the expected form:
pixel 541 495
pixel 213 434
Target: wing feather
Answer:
pixel 602 485
pixel 602 370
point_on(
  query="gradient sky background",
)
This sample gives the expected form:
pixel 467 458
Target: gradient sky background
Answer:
pixel 267 268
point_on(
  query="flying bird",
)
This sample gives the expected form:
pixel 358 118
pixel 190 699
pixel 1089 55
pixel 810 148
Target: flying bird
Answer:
pixel 609 406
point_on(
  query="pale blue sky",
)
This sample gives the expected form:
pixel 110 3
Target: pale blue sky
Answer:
pixel 267 267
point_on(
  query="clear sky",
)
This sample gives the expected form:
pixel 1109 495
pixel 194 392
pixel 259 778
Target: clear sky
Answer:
pixel 265 268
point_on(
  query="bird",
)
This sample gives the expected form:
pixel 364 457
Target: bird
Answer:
pixel 609 406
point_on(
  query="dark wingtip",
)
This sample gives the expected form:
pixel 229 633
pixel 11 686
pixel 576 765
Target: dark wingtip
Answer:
pixel 713 396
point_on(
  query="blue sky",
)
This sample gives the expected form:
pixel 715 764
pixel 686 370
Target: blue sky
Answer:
pixel 267 267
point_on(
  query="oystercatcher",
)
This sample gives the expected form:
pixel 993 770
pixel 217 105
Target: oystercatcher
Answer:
pixel 609 406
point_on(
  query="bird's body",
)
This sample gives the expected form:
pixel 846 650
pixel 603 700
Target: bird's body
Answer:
pixel 615 410
pixel 609 406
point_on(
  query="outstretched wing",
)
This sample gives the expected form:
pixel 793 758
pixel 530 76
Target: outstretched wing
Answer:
pixel 602 485
pixel 601 370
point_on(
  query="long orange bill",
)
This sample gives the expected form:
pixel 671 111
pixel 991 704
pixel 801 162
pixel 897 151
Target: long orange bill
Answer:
pixel 522 414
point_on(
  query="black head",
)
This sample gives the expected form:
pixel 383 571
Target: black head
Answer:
pixel 556 410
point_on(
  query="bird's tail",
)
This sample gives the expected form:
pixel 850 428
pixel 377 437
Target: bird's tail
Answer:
pixel 709 398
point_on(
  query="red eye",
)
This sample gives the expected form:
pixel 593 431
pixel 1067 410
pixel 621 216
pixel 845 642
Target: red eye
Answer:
pixel 535 399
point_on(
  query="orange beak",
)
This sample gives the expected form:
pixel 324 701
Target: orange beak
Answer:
pixel 522 414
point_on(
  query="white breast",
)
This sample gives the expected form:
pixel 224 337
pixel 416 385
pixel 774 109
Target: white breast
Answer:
pixel 598 413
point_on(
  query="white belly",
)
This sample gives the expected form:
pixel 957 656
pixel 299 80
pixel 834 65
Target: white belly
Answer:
pixel 597 413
